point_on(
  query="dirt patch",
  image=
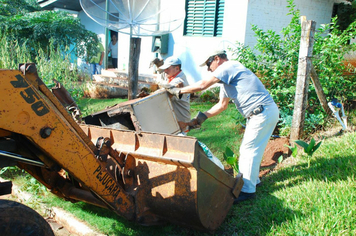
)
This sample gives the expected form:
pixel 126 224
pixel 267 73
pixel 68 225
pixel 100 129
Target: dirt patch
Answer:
pixel 275 148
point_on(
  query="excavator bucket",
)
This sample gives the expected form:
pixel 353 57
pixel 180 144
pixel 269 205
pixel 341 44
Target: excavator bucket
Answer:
pixel 171 178
pixel 142 175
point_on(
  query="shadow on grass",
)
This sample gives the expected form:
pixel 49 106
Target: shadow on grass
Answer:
pixel 117 225
pixel 267 212
pixel 328 169
pixel 261 216
pixel 256 217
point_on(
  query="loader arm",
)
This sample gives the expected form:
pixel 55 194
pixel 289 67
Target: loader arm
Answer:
pixel 147 177
pixel 31 112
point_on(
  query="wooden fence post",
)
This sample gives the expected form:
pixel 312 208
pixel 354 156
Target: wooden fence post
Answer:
pixel 320 92
pixel 304 68
pixel 135 50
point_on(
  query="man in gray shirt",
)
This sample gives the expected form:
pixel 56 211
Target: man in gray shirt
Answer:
pixel 252 100
pixel 174 76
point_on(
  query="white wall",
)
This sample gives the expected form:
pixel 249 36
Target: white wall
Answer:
pixel 272 14
pixel 194 50
pixel 239 15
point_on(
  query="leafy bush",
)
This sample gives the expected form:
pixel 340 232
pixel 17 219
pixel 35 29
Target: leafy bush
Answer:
pixel 232 159
pixel 275 60
pixel 24 21
pixel 47 38
pixel 211 95
pixel 310 148
pixel 56 66
pixel 12 52
pixel 59 67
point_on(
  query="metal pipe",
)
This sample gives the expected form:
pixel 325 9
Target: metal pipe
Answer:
pixel 82 195
pixel 22 159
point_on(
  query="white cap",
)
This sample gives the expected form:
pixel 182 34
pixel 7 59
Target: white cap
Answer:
pixel 214 53
pixel 170 61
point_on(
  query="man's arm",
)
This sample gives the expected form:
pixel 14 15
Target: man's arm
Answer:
pixel 200 85
pixel 215 110
pixel 218 107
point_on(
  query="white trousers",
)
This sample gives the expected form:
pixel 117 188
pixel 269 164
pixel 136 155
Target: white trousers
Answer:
pixel 259 129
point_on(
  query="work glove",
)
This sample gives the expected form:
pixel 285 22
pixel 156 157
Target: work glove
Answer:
pixel 173 90
pixel 197 121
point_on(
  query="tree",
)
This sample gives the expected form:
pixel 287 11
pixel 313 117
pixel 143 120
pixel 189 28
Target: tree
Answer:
pixel 24 21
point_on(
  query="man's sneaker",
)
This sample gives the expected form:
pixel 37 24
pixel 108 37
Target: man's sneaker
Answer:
pixel 244 196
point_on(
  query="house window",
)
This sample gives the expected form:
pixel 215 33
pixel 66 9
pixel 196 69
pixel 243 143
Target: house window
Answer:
pixel 204 17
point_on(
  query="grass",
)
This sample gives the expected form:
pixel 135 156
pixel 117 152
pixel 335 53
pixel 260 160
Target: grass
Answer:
pixel 219 131
pixel 293 199
pixel 296 200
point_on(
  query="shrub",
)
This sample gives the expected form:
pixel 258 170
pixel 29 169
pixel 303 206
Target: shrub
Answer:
pixel 209 95
pixel 55 66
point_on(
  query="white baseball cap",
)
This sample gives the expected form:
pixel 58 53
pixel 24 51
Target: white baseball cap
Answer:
pixel 214 53
pixel 170 61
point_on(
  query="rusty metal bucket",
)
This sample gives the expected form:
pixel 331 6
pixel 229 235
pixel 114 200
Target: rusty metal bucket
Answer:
pixel 171 178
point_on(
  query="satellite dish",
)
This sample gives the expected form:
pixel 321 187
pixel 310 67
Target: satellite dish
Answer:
pixel 136 17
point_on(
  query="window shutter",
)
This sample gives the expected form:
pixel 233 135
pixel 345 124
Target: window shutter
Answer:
pixel 204 17
pixel 220 17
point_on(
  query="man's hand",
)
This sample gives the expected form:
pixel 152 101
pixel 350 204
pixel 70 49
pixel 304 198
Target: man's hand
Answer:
pixel 175 92
pixel 180 85
pixel 197 121
pixel 172 90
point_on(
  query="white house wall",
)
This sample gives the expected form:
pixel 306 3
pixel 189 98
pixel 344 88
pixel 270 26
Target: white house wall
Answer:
pixel 239 15
pixel 272 14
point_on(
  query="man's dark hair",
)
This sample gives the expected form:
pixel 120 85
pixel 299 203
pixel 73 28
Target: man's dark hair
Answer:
pixel 222 55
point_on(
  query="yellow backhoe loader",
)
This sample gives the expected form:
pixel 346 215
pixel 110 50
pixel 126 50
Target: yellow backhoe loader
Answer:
pixel 116 159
